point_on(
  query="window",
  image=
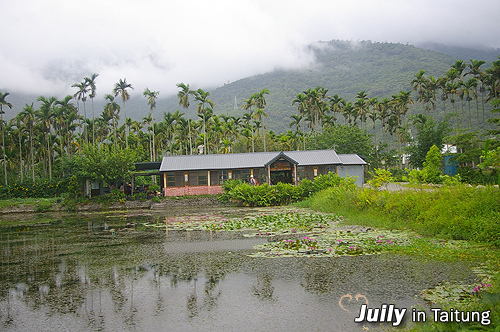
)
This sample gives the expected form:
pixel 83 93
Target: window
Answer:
pixel 245 175
pixel 260 175
pixel 193 178
pixel 179 179
pixel 309 173
pixel 214 178
pixel 170 179
pixel 301 173
pixel 202 178
pixel 331 168
pixel 222 176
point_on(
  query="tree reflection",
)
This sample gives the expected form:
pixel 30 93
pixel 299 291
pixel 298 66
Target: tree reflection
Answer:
pixel 264 288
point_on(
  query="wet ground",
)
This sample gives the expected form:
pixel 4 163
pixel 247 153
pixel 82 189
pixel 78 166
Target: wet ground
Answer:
pixel 107 272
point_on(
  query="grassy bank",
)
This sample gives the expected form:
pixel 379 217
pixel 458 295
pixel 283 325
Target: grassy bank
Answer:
pixel 458 213
pixel 454 223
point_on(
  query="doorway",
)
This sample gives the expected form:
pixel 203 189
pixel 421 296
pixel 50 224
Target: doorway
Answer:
pixel 284 176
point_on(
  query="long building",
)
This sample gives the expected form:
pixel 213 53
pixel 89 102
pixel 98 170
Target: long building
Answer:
pixel 205 174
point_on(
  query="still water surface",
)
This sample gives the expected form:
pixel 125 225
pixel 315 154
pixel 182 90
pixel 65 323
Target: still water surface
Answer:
pixel 80 273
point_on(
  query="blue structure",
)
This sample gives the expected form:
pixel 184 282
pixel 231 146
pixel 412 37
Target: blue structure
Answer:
pixel 450 166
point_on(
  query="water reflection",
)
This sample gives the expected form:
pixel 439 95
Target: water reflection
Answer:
pixel 108 273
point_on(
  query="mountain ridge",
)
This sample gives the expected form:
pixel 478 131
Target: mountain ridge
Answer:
pixel 343 67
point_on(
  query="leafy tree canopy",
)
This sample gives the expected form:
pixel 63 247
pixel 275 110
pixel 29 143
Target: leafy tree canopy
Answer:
pixel 344 139
pixel 428 134
pixel 104 164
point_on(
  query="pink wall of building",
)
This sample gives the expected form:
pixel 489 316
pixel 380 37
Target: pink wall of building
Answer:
pixel 193 190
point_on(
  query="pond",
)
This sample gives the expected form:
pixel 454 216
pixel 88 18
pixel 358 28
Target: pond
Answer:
pixel 108 272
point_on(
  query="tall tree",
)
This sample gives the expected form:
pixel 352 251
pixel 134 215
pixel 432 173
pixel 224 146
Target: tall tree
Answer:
pixel 202 98
pixel 477 73
pixel 93 89
pixel 81 94
pixel 111 110
pixel 468 92
pixel 28 118
pixel 45 114
pixel 183 96
pixel 152 96
pixel 4 102
pixel 259 100
pixel 297 118
pixel 361 107
pixel 121 89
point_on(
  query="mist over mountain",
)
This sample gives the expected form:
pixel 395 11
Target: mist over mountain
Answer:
pixel 343 67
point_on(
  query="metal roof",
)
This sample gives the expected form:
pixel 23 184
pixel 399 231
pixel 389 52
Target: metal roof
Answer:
pixel 351 159
pixel 216 161
pixel 147 166
pixel 314 157
pixel 249 160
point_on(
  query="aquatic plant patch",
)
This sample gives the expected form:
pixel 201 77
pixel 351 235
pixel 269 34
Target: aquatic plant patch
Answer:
pixel 263 222
pixel 335 242
pixel 292 221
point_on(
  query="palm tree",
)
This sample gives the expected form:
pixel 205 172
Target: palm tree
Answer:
pixel 452 90
pixel 493 79
pixel 469 92
pixel 20 130
pixel 91 83
pixel 202 98
pixel 259 100
pixel 297 118
pixel 459 66
pixel 3 103
pixel 384 107
pixel 111 110
pixel 169 121
pixel 182 128
pixel 81 95
pixel 361 107
pixel 148 121
pixel 373 113
pixel 441 83
pixel 349 113
pixel 336 104
pixel 419 84
pixel 476 72
pixel 183 96
pixel 121 89
pixel 28 118
pixel 431 87
pixel 64 115
pixel 151 97
pixel 45 114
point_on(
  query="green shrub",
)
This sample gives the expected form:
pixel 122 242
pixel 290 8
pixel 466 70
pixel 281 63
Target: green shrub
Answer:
pixel 381 178
pixel 40 189
pixel 282 193
pixel 477 176
pixel 432 166
pixel 399 174
pixel 43 206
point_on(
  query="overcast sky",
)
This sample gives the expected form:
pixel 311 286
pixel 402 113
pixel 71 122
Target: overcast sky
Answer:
pixel 47 45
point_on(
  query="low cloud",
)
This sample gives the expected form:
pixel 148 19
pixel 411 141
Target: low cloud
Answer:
pixel 49 45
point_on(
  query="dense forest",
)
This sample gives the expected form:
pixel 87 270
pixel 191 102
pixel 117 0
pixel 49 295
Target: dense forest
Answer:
pixel 52 139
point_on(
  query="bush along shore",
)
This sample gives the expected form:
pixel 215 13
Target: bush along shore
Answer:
pixel 244 194
pixel 451 223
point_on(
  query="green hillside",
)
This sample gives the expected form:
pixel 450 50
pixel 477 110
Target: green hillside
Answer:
pixel 342 67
